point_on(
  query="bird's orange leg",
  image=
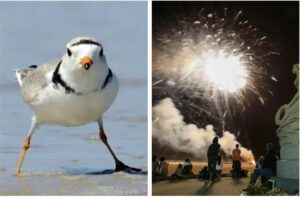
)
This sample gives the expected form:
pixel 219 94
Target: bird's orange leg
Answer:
pixel 119 165
pixel 103 137
pixel 26 146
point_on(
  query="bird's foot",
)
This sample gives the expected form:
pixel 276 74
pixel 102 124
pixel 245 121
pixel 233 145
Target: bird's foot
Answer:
pixel 120 166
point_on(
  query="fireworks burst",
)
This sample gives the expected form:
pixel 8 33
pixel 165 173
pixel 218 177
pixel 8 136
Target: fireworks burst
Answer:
pixel 212 55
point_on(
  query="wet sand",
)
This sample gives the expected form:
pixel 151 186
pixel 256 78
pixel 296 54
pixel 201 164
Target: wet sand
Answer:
pixel 83 182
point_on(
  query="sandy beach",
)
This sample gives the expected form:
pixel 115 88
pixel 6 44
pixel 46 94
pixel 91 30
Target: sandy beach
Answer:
pixel 225 186
pixel 193 186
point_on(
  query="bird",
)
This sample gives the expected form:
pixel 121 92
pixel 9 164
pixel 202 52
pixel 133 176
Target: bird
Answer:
pixel 71 91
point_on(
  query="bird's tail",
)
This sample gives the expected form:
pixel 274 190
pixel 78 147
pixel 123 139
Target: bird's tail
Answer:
pixel 22 73
pixel 20 76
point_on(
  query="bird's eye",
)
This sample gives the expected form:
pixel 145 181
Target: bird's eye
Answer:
pixel 69 52
pixel 101 52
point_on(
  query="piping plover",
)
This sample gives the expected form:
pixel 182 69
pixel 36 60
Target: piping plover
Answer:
pixel 74 90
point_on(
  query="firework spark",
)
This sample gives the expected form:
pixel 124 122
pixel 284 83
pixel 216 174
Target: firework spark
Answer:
pixel 225 72
pixel 211 55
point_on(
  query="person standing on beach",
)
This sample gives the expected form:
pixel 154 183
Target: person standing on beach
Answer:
pixel 212 156
pixel 236 163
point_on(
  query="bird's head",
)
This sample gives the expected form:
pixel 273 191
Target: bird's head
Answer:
pixel 84 54
pixel 84 65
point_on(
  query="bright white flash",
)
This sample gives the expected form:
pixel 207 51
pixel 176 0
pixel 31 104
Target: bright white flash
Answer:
pixel 226 72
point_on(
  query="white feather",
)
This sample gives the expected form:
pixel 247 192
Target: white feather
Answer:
pixel 18 75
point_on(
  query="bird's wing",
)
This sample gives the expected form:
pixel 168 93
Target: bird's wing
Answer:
pixel 33 80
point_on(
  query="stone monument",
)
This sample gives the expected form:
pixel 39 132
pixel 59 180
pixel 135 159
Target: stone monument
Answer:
pixel 287 118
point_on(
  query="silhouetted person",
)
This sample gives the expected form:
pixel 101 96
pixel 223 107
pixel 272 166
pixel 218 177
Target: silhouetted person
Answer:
pixel 178 172
pixel 219 167
pixel 162 168
pixel 260 162
pixel 212 156
pixel 155 164
pixel 203 174
pixel 268 167
pixel 187 167
pixel 236 161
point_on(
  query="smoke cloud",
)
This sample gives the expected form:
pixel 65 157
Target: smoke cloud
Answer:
pixel 170 129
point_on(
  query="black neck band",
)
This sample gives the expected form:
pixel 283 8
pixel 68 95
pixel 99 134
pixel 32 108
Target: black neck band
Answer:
pixel 108 78
pixel 56 79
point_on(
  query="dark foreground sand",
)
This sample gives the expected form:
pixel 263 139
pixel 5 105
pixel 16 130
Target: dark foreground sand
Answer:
pixel 225 186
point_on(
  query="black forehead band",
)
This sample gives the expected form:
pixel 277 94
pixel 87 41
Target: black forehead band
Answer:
pixel 88 42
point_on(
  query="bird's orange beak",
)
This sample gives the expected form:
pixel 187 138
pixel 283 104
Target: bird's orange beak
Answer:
pixel 86 62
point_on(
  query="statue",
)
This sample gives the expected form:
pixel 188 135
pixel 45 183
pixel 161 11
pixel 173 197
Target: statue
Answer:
pixel 287 118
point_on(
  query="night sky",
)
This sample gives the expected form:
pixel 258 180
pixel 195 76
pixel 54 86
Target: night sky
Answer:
pixel 279 21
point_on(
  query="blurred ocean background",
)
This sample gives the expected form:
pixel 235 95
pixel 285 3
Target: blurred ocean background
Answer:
pixel 72 160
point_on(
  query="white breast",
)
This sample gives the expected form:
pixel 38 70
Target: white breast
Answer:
pixel 56 107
